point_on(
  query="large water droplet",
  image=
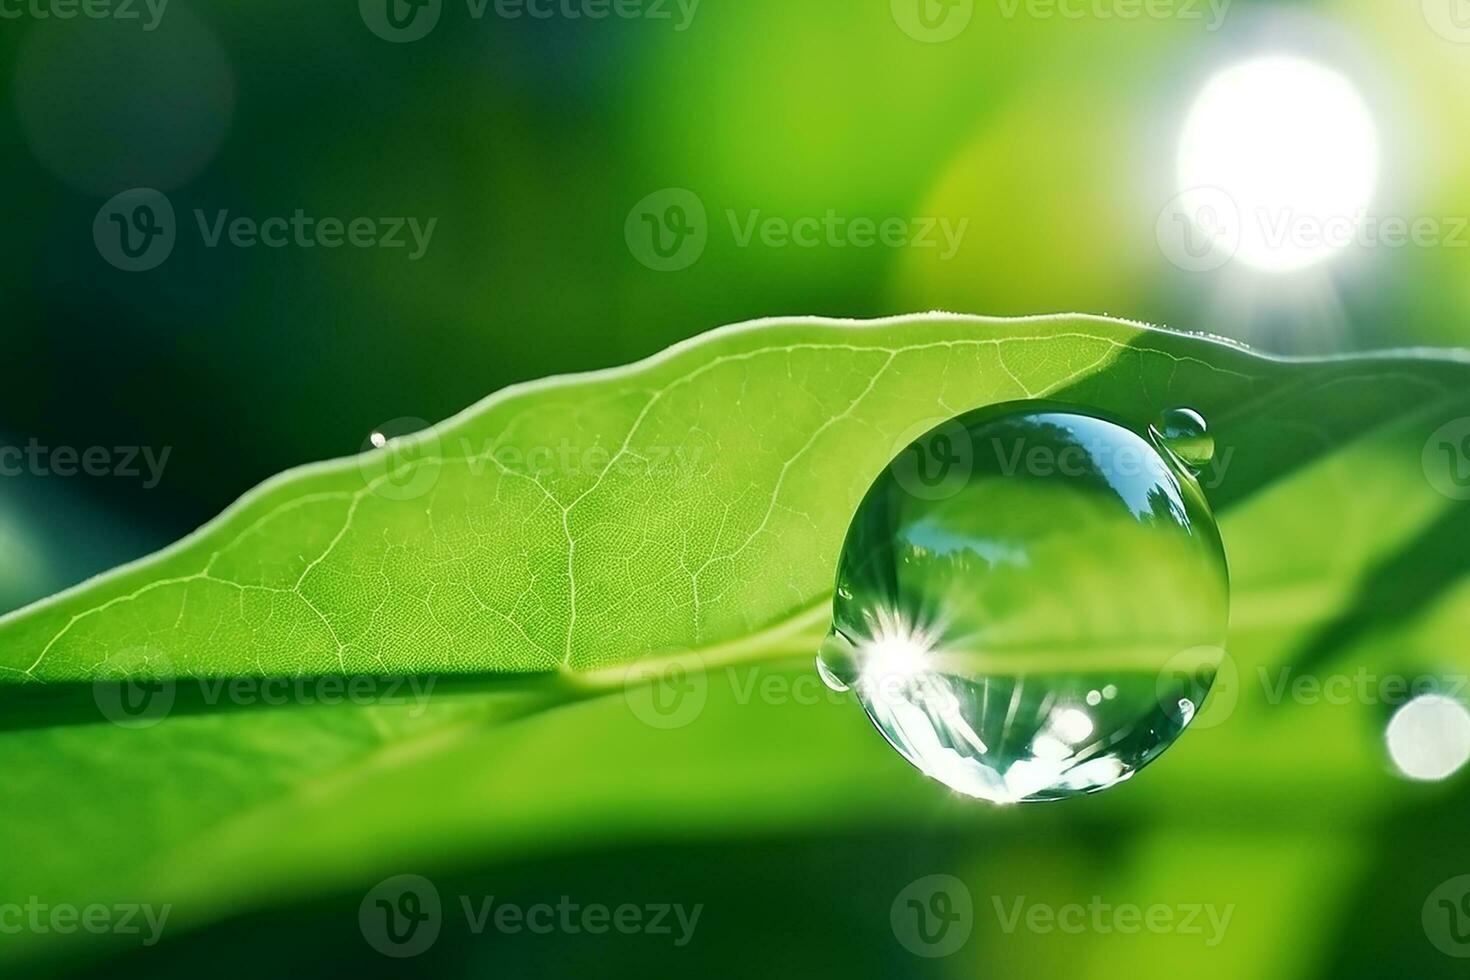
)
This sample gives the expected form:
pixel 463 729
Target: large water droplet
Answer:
pixel 1030 601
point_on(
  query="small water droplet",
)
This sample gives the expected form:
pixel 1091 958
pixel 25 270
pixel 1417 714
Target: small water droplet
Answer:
pixel 1186 711
pixel 1184 433
pixel 1011 636
pixel 378 440
pixel 835 662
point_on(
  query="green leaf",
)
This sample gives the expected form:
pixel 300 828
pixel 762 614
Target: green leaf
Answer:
pixel 488 583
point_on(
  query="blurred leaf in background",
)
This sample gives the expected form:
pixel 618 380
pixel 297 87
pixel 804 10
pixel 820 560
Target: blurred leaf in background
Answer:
pixel 1048 133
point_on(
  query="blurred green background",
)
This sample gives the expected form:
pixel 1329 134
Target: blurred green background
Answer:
pixel 535 144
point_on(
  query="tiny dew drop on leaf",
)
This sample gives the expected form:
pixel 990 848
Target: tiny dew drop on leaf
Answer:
pixel 1031 598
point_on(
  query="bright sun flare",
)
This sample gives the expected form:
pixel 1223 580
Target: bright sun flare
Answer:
pixel 1278 162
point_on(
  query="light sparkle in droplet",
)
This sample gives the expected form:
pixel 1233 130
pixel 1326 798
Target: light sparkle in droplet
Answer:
pixel 1011 590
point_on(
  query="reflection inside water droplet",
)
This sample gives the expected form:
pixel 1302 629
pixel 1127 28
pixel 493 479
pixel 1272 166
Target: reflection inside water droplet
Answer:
pixel 1015 593
pixel 1184 433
